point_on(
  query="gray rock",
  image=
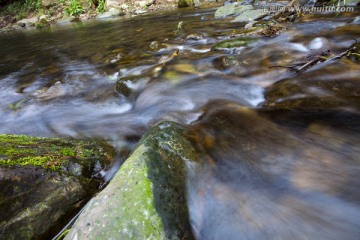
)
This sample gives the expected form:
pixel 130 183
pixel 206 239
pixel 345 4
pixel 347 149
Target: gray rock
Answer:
pixel 146 198
pixel 139 11
pixel 27 22
pixel 250 15
pixel 233 9
pixel 124 6
pixel 67 20
pixel 141 4
pixel 113 12
pixel 113 4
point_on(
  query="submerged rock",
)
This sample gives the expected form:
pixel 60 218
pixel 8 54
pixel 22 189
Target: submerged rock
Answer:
pixel 306 93
pixel 233 9
pixel 146 198
pixel 44 181
pixel 266 180
pixel 232 43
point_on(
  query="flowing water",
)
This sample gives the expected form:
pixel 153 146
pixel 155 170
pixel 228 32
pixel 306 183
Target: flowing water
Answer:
pixel 281 150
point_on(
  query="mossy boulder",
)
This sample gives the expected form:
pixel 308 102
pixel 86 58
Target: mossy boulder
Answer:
pixel 233 9
pixel 54 154
pixel 44 181
pixel 146 198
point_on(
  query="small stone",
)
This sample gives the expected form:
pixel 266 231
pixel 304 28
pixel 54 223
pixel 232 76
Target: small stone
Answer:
pixel 42 23
pixel 141 4
pixel 195 37
pixel 154 45
pixel 113 4
pixel 139 11
pixel 27 22
pixel 113 12
pixel 124 6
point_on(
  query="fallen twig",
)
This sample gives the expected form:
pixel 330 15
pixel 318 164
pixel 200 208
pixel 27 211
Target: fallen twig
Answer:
pixel 316 58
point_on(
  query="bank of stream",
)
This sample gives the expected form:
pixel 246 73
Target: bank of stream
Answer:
pixel 280 148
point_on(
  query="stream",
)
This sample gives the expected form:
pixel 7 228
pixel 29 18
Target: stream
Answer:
pixel 282 149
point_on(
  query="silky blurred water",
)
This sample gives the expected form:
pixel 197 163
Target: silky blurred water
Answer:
pixel 281 150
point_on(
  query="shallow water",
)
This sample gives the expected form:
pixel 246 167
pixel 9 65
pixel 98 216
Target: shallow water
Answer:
pixel 281 150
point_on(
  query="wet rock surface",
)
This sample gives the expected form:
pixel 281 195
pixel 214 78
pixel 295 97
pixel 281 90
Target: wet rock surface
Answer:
pixel 146 199
pixel 44 182
pixel 300 167
pixel 309 91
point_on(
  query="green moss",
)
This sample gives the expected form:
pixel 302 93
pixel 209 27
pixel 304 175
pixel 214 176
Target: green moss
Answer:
pixel 233 43
pixel 68 152
pixel 146 198
pixel 50 153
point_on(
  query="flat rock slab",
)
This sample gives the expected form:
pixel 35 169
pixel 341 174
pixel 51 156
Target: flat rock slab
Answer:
pixel 146 198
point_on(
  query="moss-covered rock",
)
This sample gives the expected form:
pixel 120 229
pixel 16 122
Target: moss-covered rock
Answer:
pixel 146 198
pixel 54 154
pixel 232 43
pixel 44 181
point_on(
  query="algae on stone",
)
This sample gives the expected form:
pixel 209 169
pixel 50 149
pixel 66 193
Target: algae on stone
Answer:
pixel 232 43
pixel 146 199
pixel 44 181
pixel 53 153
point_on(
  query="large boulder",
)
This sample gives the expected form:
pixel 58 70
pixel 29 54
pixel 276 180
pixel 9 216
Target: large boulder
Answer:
pixel 44 181
pixel 311 92
pixel 146 198
pixel 275 175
